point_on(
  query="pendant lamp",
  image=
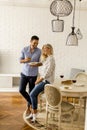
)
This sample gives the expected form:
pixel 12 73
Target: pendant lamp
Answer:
pixel 72 39
pixel 60 8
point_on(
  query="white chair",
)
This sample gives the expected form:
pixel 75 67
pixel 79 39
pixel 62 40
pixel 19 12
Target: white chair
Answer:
pixel 75 71
pixel 55 105
pixel 42 99
pixel 81 78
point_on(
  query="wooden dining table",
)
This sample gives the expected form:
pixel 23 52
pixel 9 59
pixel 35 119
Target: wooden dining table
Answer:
pixel 77 90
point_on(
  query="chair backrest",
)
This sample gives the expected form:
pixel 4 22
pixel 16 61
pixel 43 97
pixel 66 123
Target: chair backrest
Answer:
pixel 75 71
pixel 81 77
pixel 53 95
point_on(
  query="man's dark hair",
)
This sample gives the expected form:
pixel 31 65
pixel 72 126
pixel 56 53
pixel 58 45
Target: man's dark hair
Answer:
pixel 34 38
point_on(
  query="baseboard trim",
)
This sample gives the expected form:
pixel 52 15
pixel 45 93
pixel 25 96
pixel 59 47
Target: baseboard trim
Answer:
pixel 16 89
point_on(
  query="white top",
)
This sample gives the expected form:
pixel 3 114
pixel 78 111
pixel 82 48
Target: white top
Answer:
pixel 47 70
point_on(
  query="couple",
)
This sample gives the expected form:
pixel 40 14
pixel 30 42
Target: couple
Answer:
pixel 30 75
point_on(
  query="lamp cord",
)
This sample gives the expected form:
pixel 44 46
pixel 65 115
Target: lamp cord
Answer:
pixel 79 14
pixel 74 13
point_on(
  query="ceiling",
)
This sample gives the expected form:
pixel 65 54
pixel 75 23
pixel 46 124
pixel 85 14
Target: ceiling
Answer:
pixel 33 3
pixel 38 3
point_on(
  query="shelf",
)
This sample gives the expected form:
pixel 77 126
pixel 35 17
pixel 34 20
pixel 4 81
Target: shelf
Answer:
pixel 9 80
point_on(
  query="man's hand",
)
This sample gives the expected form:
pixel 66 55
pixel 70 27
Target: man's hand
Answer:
pixel 26 60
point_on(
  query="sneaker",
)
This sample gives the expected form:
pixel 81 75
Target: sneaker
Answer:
pixel 34 118
pixel 30 116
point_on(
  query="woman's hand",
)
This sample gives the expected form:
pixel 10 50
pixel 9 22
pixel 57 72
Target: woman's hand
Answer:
pixel 38 80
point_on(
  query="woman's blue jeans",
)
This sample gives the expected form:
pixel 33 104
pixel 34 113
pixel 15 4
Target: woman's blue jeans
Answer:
pixel 35 92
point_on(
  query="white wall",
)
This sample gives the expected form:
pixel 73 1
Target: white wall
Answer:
pixel 18 24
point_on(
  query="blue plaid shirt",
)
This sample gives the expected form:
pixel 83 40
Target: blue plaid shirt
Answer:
pixel 35 57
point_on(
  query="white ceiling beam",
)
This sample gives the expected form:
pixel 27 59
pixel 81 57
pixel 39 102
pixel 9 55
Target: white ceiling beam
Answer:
pixel 38 3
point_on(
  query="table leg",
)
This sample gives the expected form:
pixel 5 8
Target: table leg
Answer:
pixel 86 115
pixel 80 107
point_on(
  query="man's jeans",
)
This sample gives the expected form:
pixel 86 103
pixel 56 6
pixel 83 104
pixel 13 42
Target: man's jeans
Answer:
pixel 23 83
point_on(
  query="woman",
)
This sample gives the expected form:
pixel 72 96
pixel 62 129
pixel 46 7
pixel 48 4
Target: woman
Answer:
pixel 46 75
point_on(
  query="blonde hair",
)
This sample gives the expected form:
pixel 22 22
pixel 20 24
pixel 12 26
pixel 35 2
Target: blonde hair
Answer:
pixel 44 56
pixel 49 46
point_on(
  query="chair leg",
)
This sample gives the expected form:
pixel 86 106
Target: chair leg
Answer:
pixel 52 115
pixel 72 119
pixel 84 105
pixel 40 104
pixel 59 119
pixel 59 123
pixel 46 119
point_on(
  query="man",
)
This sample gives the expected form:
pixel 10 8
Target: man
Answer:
pixel 29 74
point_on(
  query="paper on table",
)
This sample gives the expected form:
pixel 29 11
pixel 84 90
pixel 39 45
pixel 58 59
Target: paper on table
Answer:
pixel 79 85
pixel 66 87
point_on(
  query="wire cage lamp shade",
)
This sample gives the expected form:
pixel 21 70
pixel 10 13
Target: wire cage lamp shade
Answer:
pixel 72 39
pixel 60 8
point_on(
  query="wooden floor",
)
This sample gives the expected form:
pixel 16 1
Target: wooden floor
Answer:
pixel 12 106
